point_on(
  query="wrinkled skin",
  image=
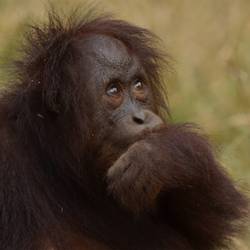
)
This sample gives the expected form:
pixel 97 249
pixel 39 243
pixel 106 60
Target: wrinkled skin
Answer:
pixel 87 161
pixel 124 116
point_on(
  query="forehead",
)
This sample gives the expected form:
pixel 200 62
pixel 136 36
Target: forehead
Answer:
pixel 101 52
pixel 106 48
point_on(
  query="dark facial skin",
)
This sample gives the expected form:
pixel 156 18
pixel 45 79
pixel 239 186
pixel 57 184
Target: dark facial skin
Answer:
pixel 119 89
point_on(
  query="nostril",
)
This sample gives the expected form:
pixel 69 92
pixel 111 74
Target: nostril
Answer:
pixel 138 120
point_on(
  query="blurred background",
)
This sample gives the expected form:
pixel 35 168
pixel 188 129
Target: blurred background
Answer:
pixel 210 85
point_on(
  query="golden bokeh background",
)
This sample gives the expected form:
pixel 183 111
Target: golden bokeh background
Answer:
pixel 210 43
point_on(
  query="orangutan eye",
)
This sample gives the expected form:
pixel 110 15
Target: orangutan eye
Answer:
pixel 140 90
pixel 114 89
pixel 139 85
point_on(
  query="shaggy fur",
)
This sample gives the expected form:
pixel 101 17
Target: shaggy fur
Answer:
pixel 51 193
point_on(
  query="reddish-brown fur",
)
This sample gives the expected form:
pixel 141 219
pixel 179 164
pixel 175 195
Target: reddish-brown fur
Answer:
pixel 51 193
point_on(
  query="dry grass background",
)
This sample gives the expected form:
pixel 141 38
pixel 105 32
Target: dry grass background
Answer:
pixel 210 42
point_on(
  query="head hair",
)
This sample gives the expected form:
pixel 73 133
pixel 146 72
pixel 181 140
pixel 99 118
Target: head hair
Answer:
pixel 44 112
pixel 50 55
